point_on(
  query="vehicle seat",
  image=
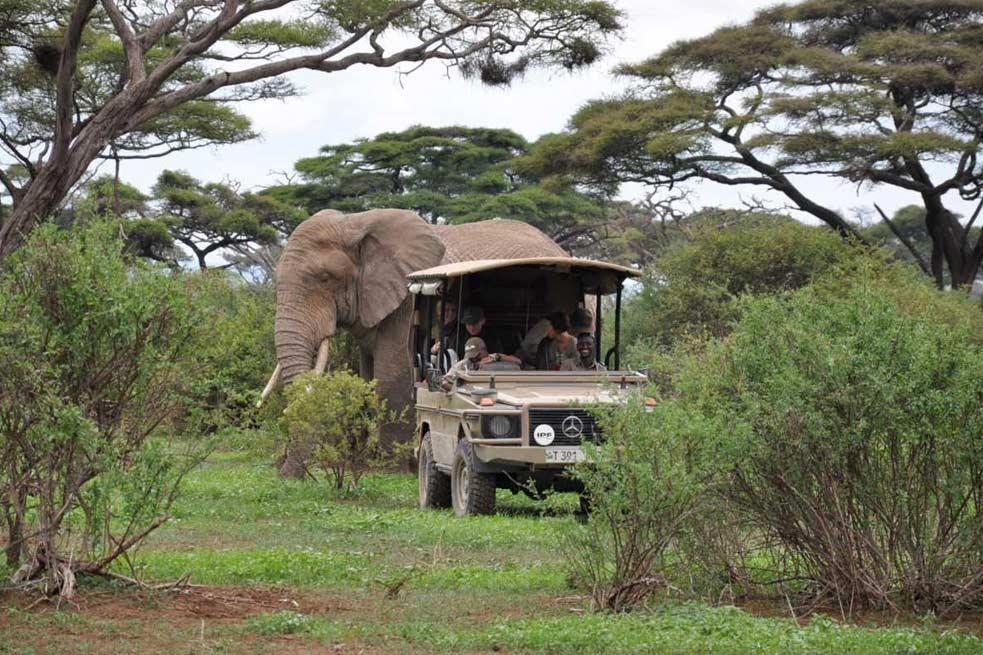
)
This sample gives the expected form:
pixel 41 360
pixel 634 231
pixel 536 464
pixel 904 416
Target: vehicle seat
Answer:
pixel 450 358
pixel 500 366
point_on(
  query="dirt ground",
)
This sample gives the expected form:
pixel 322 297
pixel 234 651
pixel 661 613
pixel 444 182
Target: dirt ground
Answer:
pixel 192 620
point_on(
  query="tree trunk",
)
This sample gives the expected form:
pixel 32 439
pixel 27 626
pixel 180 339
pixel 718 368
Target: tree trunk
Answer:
pixel 42 197
pixel 15 539
pixel 950 248
pixel 56 177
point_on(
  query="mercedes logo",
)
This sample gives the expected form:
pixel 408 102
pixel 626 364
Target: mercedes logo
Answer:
pixel 572 427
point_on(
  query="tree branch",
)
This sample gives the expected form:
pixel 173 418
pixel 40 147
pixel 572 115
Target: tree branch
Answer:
pixel 135 72
pixel 8 184
pixel 922 263
pixel 65 80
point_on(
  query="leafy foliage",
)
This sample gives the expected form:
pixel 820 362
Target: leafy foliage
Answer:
pixel 95 352
pixel 184 214
pixel 883 94
pixel 694 289
pixel 837 403
pixel 447 175
pixel 93 79
pixel 340 415
pixel 642 491
pixel 235 361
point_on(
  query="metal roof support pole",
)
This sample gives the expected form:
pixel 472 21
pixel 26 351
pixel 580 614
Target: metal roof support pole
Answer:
pixel 617 327
pixel 598 350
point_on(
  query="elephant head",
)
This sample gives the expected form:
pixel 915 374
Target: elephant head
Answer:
pixel 344 270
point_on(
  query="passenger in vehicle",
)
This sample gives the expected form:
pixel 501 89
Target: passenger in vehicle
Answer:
pixel 475 351
pixel 558 346
pixel 498 340
pixel 449 320
pixel 582 320
pixel 477 358
pixel 586 357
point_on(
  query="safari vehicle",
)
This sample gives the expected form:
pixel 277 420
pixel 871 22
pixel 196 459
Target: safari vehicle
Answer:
pixel 519 429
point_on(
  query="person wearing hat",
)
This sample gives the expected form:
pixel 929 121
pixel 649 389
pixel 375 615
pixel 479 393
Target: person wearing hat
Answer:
pixel 474 324
pixel 474 352
pixel 587 359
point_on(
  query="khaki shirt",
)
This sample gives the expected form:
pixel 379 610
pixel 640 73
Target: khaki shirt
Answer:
pixel 577 365
pixel 462 365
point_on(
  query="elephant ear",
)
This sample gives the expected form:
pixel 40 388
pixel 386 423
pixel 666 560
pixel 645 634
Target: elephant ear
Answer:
pixel 395 243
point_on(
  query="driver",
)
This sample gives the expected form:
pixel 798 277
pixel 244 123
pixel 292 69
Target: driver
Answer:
pixel 586 360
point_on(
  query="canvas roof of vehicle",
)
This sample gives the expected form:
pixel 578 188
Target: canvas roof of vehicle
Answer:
pixel 551 264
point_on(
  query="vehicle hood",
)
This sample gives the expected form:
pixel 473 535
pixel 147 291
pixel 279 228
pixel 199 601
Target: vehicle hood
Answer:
pixel 562 395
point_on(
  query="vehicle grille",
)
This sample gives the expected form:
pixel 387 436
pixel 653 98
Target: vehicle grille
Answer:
pixel 555 417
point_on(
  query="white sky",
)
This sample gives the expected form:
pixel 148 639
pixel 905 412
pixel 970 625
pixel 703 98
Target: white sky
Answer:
pixel 364 101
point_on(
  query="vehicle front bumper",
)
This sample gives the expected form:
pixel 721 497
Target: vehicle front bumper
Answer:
pixel 521 456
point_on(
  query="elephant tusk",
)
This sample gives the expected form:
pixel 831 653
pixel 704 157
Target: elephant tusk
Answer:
pixel 322 357
pixel 270 386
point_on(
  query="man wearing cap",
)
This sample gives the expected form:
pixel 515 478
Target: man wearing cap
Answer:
pixel 474 324
pixel 586 361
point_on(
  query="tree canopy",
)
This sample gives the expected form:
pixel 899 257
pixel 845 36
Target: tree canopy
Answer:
pixel 184 215
pixel 94 78
pixel 887 93
pixel 448 175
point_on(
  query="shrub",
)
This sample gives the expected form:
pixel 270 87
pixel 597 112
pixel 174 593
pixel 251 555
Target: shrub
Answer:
pixel 643 486
pixel 238 357
pixel 339 415
pixel 694 289
pixel 855 418
pixel 95 354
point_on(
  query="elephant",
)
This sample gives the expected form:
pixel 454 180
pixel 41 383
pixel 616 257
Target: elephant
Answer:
pixel 349 271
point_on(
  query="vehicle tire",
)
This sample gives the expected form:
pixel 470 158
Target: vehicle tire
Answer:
pixel 435 486
pixel 472 493
pixel 584 510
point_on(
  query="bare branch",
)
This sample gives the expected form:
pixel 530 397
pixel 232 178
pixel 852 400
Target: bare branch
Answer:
pixel 135 72
pixel 8 184
pixel 922 263
pixel 65 81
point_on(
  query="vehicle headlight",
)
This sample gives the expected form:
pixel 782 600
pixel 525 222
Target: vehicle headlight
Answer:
pixel 497 427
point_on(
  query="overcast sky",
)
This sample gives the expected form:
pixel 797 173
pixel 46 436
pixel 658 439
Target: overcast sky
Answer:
pixel 364 101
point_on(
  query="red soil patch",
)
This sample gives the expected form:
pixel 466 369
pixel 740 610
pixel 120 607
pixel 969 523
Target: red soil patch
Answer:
pixel 194 618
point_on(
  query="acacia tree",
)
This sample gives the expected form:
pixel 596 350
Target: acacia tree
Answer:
pixel 183 215
pixel 446 174
pixel 215 217
pixel 222 51
pixel 875 93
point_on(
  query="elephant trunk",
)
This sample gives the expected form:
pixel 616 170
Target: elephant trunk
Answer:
pixel 302 339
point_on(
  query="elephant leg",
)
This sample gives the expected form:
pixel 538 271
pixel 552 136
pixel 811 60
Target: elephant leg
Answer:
pixel 394 376
pixel 293 462
pixel 366 365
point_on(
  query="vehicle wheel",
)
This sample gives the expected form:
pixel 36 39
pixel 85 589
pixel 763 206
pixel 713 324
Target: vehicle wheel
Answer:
pixel 435 486
pixel 471 493
pixel 583 512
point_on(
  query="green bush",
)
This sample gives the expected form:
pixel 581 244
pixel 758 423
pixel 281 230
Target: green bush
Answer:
pixel 238 357
pixel 338 416
pixel 695 288
pixel 642 487
pixel 854 418
pixel 96 354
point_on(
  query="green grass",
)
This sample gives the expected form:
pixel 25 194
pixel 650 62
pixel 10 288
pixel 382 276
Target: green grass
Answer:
pixel 455 585
pixel 685 629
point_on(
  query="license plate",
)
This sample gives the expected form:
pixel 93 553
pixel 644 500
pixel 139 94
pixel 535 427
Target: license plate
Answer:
pixel 564 455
